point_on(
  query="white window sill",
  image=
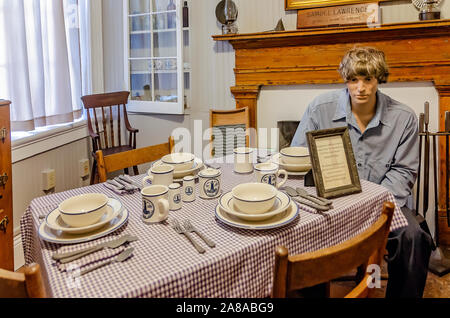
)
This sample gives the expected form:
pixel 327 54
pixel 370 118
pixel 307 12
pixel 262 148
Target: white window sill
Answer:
pixel 39 142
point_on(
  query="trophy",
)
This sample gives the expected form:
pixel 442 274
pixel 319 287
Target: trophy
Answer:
pixel 428 9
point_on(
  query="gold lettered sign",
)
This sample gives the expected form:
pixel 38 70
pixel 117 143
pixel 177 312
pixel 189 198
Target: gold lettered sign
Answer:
pixel 333 162
pixel 357 14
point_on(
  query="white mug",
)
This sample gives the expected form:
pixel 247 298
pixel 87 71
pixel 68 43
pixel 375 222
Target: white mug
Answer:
pixel 155 204
pixel 160 174
pixel 175 197
pixel 210 183
pixel 243 160
pixel 269 172
pixel 188 194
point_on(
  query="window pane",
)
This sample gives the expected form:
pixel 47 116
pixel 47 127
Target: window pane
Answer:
pixel 166 86
pixel 139 6
pixel 165 44
pixel 140 45
pixel 141 87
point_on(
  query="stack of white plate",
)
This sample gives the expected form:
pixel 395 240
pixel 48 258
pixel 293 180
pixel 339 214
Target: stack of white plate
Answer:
pixel 54 230
pixel 178 175
pixel 281 213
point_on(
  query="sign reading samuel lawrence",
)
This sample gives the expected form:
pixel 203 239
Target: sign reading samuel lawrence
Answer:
pixel 366 13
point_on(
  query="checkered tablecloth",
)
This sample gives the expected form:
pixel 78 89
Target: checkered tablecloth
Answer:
pixel 165 264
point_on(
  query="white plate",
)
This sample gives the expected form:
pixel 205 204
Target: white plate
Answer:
pixel 178 175
pixel 281 204
pixel 290 168
pixel 59 237
pixel 279 220
pixel 55 222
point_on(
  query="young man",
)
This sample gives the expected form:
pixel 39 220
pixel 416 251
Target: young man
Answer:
pixel 384 136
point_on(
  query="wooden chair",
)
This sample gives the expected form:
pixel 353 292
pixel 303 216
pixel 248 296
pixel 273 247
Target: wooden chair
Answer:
pixel 134 157
pixel 111 142
pixel 220 119
pixel 294 272
pixel 25 284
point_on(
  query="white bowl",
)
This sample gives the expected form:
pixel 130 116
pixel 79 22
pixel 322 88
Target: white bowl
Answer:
pixel 179 160
pixel 83 210
pixel 254 198
pixel 295 155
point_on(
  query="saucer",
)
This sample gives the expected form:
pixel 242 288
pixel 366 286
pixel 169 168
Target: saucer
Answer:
pixel 55 222
pixel 290 168
pixel 282 202
pixel 178 175
pixel 60 237
pixel 277 221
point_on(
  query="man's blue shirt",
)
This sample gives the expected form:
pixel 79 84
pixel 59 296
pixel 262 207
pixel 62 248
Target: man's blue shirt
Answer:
pixel 386 153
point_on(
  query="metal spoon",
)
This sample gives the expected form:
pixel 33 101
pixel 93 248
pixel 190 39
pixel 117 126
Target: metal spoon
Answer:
pixel 119 258
pixel 295 196
pixel 303 192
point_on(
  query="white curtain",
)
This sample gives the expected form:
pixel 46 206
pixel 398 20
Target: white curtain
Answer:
pixel 41 62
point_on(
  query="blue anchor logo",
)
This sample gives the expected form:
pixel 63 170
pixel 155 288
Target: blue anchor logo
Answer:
pixel 177 198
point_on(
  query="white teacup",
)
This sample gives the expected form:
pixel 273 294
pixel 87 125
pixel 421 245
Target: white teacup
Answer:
pixel 269 172
pixel 161 174
pixel 155 204
pixel 209 183
pixel 243 160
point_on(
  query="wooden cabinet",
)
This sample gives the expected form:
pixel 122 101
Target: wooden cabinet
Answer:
pixel 6 213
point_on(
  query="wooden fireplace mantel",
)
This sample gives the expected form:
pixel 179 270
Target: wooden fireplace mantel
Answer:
pixel 418 51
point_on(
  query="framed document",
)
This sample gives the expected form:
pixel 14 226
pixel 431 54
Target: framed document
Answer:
pixel 333 162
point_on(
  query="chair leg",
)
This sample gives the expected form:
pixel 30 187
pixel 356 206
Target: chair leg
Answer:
pixel 94 172
pixel 135 170
pixel 126 171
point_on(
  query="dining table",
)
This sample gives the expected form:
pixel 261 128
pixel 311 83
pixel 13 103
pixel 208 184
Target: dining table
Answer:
pixel 165 263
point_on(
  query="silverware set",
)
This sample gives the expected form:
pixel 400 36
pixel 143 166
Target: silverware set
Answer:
pixel 301 196
pixel 122 184
pixel 67 257
pixel 189 228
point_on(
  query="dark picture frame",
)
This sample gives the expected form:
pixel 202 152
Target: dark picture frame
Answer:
pixel 305 4
pixel 333 162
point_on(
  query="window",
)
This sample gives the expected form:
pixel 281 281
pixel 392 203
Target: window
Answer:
pixel 42 58
pixel 157 43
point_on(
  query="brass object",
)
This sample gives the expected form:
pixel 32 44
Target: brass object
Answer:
pixel 3 133
pixel 226 14
pixel 3 223
pixel 3 180
pixel 428 9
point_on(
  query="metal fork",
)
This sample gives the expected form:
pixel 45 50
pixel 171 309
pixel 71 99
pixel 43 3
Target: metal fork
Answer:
pixel 190 228
pixel 177 227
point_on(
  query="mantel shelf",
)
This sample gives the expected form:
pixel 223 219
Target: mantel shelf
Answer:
pixel 393 31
